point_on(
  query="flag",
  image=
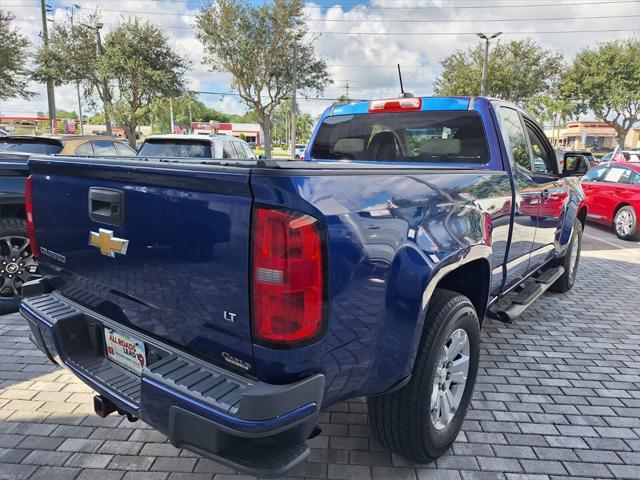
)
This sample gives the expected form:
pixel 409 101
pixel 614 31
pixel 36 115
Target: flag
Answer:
pixel 618 155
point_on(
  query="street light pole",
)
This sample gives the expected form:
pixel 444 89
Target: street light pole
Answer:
pixel 105 86
pixel 76 6
pixel 485 63
pixel 51 98
pixel 294 87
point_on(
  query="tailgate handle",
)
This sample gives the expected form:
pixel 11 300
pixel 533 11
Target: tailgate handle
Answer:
pixel 106 205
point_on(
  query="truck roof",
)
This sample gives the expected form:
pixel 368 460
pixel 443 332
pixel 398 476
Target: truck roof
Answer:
pixel 180 136
pixel 428 103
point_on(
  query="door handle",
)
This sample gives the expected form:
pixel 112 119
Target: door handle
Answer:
pixel 544 194
pixel 106 205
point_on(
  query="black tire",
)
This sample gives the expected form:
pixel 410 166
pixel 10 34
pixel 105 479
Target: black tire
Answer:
pixel 568 278
pixel 629 214
pixel 401 420
pixel 15 228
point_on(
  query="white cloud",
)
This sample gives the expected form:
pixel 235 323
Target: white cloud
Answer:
pixel 366 61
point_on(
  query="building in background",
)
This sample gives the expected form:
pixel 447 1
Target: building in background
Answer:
pixel 591 135
pixel 249 132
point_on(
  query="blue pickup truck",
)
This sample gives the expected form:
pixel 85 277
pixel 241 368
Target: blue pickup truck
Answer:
pixel 227 303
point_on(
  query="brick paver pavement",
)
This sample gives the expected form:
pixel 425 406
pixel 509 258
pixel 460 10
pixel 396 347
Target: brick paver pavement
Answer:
pixel 558 396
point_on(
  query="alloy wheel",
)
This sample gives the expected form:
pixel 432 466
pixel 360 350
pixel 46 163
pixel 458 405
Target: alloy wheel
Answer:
pixel 17 265
pixel 450 378
pixel 624 223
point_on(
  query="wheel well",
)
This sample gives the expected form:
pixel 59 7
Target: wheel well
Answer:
pixel 618 207
pixel 582 216
pixel 471 280
pixel 12 210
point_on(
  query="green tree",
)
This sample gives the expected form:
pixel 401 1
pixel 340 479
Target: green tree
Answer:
pixel 607 80
pixel 255 43
pixel 72 57
pixel 143 66
pixel 518 71
pixel 14 76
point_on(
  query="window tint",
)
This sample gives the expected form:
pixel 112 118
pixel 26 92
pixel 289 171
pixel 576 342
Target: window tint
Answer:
pixel 594 174
pixel 618 175
pixel 104 148
pixel 239 151
pixel 227 149
pixel 170 148
pixel 422 136
pixel 248 152
pixel 85 149
pixel 541 157
pixel 124 150
pixel 514 137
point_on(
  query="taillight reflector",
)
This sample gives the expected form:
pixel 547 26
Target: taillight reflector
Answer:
pixel 395 105
pixel 28 206
pixel 288 283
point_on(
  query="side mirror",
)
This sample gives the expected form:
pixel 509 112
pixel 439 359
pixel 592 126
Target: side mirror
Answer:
pixel 573 164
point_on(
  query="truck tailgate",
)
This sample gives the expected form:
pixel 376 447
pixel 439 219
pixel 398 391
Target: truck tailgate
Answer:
pixel 164 249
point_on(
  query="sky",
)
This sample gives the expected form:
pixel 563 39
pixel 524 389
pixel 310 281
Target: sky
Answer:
pixel 361 41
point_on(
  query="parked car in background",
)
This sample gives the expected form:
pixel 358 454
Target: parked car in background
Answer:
pixel 196 146
pixel 82 145
pixel 576 162
pixel 629 155
pixel 366 270
pixel 613 197
pixel 299 151
pixel 17 264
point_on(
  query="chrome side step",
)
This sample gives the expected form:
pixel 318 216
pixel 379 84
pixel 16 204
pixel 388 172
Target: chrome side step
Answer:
pixel 524 297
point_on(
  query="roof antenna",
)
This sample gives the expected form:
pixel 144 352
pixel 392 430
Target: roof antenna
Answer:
pixel 403 94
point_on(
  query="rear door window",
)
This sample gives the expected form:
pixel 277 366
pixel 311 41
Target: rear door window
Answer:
pixel 84 149
pixel 618 175
pixel 227 149
pixel 421 136
pixel 247 151
pixel 104 148
pixel 124 150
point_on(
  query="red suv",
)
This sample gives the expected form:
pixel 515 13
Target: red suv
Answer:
pixel 613 197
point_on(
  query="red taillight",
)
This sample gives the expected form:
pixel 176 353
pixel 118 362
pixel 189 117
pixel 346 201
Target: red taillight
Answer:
pixel 288 278
pixel 395 105
pixel 28 206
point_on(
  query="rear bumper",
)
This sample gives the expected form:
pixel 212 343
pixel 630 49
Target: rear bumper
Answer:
pixel 252 426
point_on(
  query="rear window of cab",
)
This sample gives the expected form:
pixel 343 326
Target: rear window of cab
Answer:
pixel 414 136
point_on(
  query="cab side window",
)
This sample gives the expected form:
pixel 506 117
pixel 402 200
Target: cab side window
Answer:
pixel 227 149
pixel 85 149
pixel 104 148
pixel 618 175
pixel 514 137
pixel 239 151
pixel 542 158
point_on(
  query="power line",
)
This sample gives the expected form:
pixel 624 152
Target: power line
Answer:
pixel 597 17
pixel 470 21
pixel 520 32
pixel 429 7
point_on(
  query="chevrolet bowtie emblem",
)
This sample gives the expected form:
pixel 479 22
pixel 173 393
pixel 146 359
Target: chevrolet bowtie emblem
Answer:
pixel 107 243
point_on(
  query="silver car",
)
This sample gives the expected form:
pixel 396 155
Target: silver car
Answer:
pixel 196 146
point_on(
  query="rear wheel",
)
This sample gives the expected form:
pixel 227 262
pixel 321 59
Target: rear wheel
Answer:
pixel 421 420
pixel 570 261
pixel 625 223
pixel 17 264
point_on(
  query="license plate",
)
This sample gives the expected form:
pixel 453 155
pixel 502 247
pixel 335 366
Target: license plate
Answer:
pixel 125 350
